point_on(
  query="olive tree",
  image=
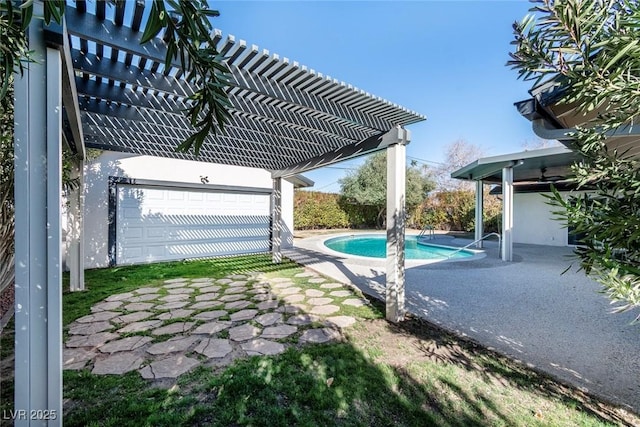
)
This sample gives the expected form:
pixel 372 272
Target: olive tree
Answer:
pixel 591 49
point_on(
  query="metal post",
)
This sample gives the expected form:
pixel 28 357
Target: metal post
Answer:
pixel 76 231
pixel 396 177
pixel 276 221
pixel 38 284
pixel 507 213
pixel 479 210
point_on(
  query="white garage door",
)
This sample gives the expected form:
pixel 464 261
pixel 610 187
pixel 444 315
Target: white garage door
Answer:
pixel 164 223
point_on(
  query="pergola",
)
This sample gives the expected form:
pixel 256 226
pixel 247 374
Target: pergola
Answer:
pixel 93 85
pixel 534 168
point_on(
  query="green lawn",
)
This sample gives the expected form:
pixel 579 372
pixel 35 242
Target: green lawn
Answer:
pixel 381 374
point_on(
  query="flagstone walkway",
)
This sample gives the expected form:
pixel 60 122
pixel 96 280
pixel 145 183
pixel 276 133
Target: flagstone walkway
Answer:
pixel 165 331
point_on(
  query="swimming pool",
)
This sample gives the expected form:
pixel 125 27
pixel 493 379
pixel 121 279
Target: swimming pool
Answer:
pixel 375 246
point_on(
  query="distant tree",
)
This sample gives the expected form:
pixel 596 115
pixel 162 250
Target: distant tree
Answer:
pixel 368 185
pixel 458 154
pixel 590 49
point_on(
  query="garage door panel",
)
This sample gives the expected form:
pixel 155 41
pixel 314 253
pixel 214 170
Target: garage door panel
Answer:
pixel 164 223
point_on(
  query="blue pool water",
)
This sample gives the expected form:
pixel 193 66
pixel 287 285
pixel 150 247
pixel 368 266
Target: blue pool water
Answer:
pixel 376 247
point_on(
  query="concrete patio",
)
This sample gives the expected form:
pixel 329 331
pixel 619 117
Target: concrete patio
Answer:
pixel 526 309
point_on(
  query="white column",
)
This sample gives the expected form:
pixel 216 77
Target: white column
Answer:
pixel 76 231
pixel 479 210
pixel 38 284
pixel 276 221
pixel 507 213
pixel 396 176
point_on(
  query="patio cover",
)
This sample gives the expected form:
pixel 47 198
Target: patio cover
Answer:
pixel 96 86
pixel 526 168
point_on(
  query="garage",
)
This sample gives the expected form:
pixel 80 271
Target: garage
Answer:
pixel 155 221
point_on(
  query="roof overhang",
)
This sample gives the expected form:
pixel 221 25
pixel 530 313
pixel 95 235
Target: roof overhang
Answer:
pixel 285 118
pixel 553 119
pixel 552 163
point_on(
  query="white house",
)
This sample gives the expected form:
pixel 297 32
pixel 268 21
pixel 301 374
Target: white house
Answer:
pixel 148 209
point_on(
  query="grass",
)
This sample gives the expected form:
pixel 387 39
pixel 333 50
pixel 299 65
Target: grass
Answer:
pixel 412 374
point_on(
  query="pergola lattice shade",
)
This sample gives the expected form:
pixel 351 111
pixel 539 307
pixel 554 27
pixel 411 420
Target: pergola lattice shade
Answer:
pixel 283 114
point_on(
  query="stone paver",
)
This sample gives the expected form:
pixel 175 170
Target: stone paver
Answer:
pixel 176 280
pixel 174 298
pixel 171 367
pixel 76 358
pixel 237 305
pixel 341 321
pixel 291 308
pixel 282 285
pixel 119 297
pixel 180 291
pixel 277 332
pixel 199 285
pixel 354 302
pixel 243 332
pixel 98 317
pixel 303 319
pixel 214 348
pixel 144 297
pixel 279 280
pixel 269 319
pixel 243 315
pixel 147 290
pixel 202 280
pixel 313 293
pixel 172 305
pixel 294 298
pixel 319 301
pixel 210 315
pixel 132 317
pixel 261 346
pixel 319 336
pixel 207 297
pixel 324 309
pixel 209 289
pixel 176 285
pixel 235 290
pixel 306 274
pixel 238 277
pixel 106 306
pixel 95 340
pixel 205 304
pixel 138 306
pixel 174 328
pixel 268 305
pixel 125 344
pixel 289 290
pixel 212 328
pixel 175 314
pixel 232 297
pixel 116 364
pixel 172 345
pixel 224 280
pixel 140 326
pixel 89 328
pixel 261 297
pixel 317 280
pixel 331 285
pixel 341 294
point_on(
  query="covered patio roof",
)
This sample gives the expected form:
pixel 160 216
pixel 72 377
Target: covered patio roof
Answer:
pixel 533 166
pixel 283 114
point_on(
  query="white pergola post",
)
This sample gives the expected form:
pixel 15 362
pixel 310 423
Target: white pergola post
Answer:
pixel 396 177
pixel 479 209
pixel 38 284
pixel 276 221
pixel 507 213
pixel 75 221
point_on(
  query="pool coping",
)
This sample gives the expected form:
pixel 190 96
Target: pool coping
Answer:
pixel 318 243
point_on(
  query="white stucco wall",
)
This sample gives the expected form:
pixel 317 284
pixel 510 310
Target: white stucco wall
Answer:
pixel 533 221
pixel 124 165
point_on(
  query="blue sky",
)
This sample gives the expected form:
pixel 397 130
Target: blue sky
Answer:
pixel 443 59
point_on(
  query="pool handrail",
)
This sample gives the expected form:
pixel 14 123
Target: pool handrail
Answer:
pixel 476 241
pixel 428 228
